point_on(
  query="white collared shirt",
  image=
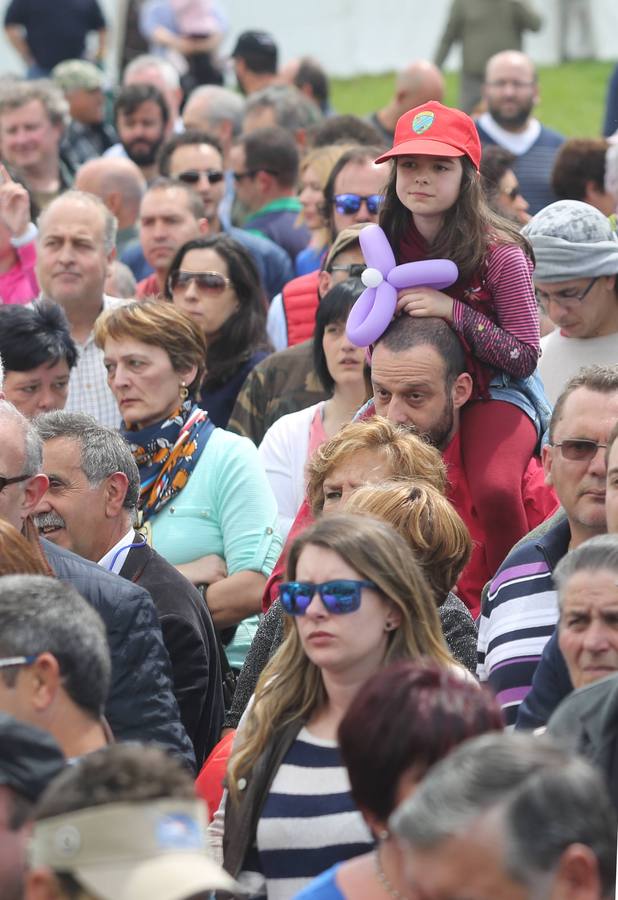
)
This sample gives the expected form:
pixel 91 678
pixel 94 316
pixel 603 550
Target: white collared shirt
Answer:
pixel 517 142
pixel 120 551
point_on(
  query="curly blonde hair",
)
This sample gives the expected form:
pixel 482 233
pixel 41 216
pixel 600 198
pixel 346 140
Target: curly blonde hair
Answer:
pixel 407 455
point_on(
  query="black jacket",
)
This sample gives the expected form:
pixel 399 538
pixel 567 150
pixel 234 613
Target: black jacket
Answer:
pixel 141 705
pixel 189 635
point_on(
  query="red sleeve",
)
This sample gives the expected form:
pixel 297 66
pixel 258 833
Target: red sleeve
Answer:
pixel 540 500
pixel 512 344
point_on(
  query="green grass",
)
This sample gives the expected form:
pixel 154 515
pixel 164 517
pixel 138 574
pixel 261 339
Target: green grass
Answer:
pixel 572 95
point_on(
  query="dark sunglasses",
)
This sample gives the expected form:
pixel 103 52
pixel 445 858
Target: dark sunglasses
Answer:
pixel 513 194
pixel 579 450
pixel 354 270
pixel 346 204
pixel 4 481
pixel 192 176
pixel 205 281
pixel 339 597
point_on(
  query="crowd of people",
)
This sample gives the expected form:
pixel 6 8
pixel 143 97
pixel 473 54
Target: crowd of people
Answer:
pixel 285 612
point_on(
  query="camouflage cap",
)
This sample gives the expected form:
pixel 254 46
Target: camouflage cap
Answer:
pixel 73 74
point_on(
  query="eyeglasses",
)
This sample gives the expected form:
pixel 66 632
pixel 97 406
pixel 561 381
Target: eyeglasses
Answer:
pixel 251 173
pixel 354 270
pixel 513 194
pixel 347 204
pixel 339 597
pixel 4 481
pixel 192 176
pixel 17 661
pixel 213 282
pixel 564 299
pixel 579 449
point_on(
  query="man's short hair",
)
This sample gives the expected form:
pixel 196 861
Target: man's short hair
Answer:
pixel 131 96
pixel 36 335
pixel 597 553
pixel 145 61
pixel 291 109
pixel 103 451
pixel 311 73
pixel 194 201
pixel 110 222
pixel 577 162
pixel 538 796
pixel 602 379
pixel 272 150
pixel 185 139
pixel 19 93
pixel 345 129
pixel 33 446
pixel 44 615
pixel 223 106
pixel 404 333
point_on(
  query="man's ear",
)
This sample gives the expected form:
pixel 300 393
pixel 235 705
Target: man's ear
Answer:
pixel 577 876
pixel 325 282
pixel 203 226
pixel 547 459
pixel 461 390
pixel 45 678
pixel 42 884
pixel 116 487
pixel 34 489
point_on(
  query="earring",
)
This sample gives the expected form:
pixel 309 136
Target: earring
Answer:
pixel 389 626
pixel 384 834
pixel 184 391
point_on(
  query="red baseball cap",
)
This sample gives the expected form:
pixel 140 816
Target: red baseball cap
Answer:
pixel 435 130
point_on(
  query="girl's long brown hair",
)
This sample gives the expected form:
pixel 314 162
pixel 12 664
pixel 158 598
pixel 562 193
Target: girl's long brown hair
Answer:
pixel 19 556
pixel 469 227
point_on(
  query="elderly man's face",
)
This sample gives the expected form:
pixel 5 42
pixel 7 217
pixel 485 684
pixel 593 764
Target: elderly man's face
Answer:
pixel 14 498
pixel 581 307
pixel 588 630
pixel 72 262
pixel 27 136
pixel 587 416
pixel 71 513
pixel 611 490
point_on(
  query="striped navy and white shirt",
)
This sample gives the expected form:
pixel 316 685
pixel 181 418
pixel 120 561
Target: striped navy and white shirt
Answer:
pixel 309 821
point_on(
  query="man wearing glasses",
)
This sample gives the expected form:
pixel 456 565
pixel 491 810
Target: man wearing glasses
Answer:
pixel 576 254
pixel 520 612
pixel 195 158
pixel 511 92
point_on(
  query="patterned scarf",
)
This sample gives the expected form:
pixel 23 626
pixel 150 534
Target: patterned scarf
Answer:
pixel 166 453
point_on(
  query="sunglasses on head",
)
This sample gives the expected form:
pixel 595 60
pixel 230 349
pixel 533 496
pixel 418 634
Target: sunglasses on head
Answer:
pixel 339 597
pixel 192 176
pixel 214 282
pixel 346 204
pixel 4 481
pixel 579 449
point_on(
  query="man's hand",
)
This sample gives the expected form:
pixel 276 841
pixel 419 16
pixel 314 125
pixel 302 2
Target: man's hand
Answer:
pixel 423 301
pixel 14 204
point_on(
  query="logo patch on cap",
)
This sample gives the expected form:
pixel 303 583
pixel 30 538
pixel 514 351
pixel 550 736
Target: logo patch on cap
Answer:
pixel 67 841
pixel 179 832
pixel 422 121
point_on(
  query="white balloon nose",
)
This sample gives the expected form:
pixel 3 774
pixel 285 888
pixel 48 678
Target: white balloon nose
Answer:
pixel 372 278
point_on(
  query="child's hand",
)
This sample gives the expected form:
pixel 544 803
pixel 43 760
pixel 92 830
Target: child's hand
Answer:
pixel 14 204
pixel 424 301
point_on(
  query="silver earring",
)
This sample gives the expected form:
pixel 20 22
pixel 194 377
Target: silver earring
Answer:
pixel 389 626
pixel 384 834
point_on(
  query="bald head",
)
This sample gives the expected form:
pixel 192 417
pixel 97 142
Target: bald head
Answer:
pixel 510 60
pixel 417 83
pixel 119 183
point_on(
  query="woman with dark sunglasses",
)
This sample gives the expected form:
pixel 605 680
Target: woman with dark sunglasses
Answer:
pixel 214 281
pixel 356 601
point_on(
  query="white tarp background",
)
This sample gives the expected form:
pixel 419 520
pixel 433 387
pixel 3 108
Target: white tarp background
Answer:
pixel 352 37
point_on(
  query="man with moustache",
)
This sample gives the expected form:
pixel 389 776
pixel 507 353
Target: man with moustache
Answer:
pixel 511 92
pixel 142 120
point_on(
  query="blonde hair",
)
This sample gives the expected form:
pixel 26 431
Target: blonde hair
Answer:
pixel 429 523
pixel 290 685
pixel 160 325
pixel 406 453
pixel 322 160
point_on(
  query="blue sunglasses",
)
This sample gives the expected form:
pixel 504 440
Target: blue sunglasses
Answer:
pixel 347 204
pixel 339 597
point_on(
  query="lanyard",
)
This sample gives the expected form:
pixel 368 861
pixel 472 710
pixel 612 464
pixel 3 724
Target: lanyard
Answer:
pixel 121 550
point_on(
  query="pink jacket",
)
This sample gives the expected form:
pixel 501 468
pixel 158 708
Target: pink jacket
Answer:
pixel 19 284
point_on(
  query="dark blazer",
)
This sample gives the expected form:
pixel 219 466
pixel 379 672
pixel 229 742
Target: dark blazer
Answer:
pixel 141 705
pixel 189 635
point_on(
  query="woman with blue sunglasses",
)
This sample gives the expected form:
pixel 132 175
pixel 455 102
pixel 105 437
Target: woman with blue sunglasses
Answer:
pixel 357 601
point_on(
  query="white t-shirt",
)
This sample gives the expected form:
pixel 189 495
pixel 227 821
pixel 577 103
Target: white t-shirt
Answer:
pixel 563 357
